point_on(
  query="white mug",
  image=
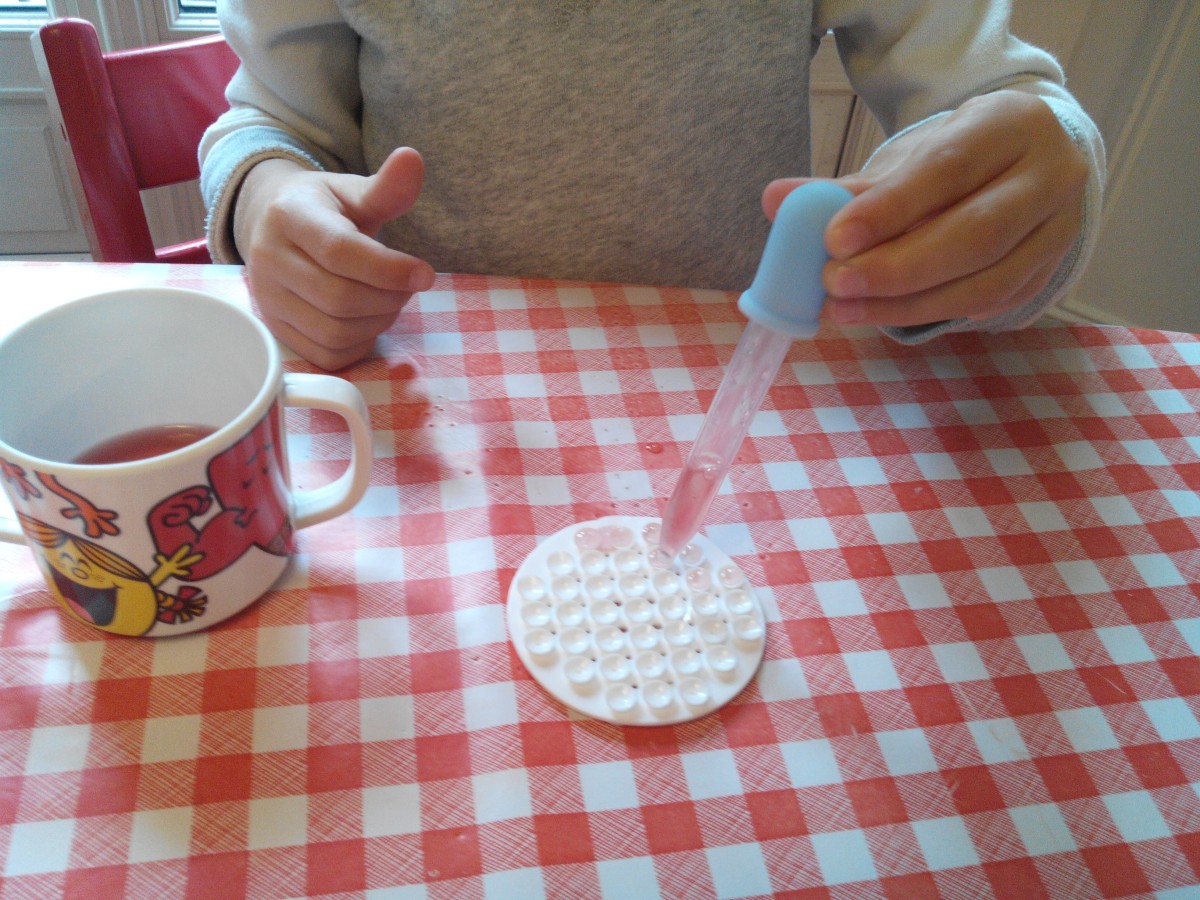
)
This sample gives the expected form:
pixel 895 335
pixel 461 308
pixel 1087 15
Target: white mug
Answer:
pixel 142 446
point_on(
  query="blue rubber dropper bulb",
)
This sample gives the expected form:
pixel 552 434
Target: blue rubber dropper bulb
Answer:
pixel 786 294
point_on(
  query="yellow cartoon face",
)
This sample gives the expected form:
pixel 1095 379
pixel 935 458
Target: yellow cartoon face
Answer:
pixel 100 588
pixel 95 585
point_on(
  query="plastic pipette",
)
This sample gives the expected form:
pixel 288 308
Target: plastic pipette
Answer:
pixel 782 303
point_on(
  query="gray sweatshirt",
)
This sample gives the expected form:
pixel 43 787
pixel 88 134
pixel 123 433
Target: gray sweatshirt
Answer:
pixel 601 140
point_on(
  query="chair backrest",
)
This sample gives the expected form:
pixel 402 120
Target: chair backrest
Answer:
pixel 132 120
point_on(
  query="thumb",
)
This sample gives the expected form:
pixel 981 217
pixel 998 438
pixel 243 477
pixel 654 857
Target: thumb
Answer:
pixel 388 193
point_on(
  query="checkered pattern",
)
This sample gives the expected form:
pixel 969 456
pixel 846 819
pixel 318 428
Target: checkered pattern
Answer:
pixel 979 563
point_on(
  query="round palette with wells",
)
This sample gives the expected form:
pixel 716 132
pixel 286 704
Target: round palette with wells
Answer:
pixel 614 630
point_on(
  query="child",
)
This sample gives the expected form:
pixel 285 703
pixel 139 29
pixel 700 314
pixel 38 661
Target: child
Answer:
pixel 630 141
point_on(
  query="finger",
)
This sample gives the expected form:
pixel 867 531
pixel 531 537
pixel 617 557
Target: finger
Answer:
pixel 1011 282
pixel 388 193
pixel 1040 258
pixel 775 192
pixel 280 301
pixel 330 292
pixel 953 160
pixel 330 358
pixel 322 357
pixel 334 244
pixel 974 234
pixel 1033 286
pixel 334 332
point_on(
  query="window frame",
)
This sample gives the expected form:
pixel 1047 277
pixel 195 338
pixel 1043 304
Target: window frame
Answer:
pixel 25 18
pixel 176 22
pixel 19 7
pixel 121 23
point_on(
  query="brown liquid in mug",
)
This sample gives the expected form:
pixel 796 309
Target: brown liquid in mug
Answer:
pixel 143 443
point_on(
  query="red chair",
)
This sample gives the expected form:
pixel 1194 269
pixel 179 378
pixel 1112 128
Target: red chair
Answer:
pixel 132 120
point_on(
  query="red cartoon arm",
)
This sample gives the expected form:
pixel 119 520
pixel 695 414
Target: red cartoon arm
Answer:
pixel 220 542
pixel 170 520
pixel 96 522
pixel 216 544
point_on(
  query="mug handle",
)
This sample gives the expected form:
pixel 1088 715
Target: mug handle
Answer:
pixel 339 396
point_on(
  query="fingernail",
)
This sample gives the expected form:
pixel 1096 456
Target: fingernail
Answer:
pixel 848 312
pixel 848 238
pixel 849 282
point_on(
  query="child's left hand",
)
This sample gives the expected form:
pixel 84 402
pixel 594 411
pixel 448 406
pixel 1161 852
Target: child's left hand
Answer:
pixel 966 216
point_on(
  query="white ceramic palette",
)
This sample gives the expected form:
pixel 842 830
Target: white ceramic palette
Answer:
pixel 609 628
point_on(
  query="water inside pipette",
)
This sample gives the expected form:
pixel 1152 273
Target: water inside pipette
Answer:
pixel 688 504
pixel 750 373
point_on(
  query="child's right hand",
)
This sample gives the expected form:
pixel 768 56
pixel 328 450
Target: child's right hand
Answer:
pixel 967 216
pixel 322 283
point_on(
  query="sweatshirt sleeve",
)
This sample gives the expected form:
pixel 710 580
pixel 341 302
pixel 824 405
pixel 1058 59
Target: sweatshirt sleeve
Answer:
pixel 914 60
pixel 296 96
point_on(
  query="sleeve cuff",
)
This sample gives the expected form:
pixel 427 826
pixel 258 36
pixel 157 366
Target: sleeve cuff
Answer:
pixel 225 168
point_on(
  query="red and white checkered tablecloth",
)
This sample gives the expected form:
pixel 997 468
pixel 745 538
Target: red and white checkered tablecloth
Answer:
pixel 978 560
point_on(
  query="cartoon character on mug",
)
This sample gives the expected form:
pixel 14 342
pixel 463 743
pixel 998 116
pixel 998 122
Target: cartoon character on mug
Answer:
pixel 103 589
pixel 246 484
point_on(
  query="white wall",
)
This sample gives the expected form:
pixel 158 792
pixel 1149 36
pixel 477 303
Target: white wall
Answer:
pixel 1135 69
